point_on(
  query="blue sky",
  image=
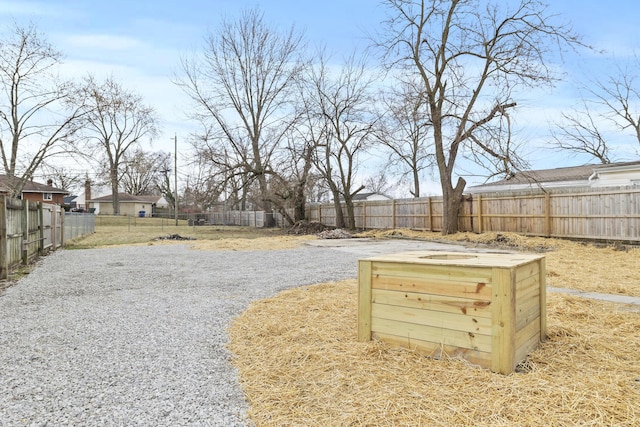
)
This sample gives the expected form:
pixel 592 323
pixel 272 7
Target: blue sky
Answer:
pixel 141 42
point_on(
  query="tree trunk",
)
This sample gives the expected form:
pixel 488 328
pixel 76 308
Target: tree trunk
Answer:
pixel 269 218
pixel 451 202
pixel 351 216
pixel 416 183
pixel 338 206
pixel 299 203
pixel 115 199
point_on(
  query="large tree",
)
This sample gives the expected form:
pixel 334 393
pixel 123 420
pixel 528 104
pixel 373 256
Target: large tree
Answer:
pixel 37 118
pixel 243 86
pixel 142 171
pixel 405 129
pixel 343 106
pixel 116 121
pixel 471 57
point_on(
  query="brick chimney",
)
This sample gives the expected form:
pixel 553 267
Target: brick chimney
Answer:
pixel 87 194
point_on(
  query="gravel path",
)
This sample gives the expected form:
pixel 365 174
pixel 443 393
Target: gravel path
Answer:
pixel 136 336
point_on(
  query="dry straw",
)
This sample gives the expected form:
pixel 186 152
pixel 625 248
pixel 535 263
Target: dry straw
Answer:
pixel 300 364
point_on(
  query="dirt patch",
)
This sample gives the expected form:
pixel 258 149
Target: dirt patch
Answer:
pixel 174 237
pixel 306 227
pixel 300 363
pixel 257 244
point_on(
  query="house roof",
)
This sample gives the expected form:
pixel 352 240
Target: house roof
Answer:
pixel 128 198
pixel 365 196
pixel 31 187
pixel 567 174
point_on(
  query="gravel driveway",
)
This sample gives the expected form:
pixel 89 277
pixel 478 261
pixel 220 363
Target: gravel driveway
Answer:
pixel 136 336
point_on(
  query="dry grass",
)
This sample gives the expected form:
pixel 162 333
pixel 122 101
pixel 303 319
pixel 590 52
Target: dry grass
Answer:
pixel 301 365
pixel 116 231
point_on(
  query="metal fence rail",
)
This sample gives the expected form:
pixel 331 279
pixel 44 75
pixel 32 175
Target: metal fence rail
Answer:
pixel 78 224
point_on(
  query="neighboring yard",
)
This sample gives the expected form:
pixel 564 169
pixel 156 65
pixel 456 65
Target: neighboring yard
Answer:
pixel 300 363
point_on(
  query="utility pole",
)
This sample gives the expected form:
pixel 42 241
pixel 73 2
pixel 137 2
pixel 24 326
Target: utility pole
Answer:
pixel 175 175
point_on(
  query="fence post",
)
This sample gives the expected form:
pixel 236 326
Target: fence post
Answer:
pixel 25 232
pixel 393 214
pixel 60 213
pixel 320 213
pixel 4 241
pixel 430 214
pixel 40 229
pixel 479 213
pixel 547 214
pixel 364 215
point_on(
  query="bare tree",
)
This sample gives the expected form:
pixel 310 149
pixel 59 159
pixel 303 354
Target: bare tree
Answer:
pixel 243 88
pixel 471 56
pixel 578 132
pixel 36 112
pixel 614 101
pixel 405 130
pixel 62 176
pixel 342 104
pixel 116 120
pixel 142 171
pixel 295 173
pixel 379 183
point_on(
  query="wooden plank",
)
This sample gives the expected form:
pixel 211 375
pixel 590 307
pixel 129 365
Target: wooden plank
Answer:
pixel 526 271
pixel 437 272
pixel 25 231
pixel 503 320
pixel 40 229
pixel 435 350
pixel 527 340
pixel 425 301
pixel 364 300
pixel 525 294
pixel 543 299
pixel 527 310
pixel 438 319
pixel 439 336
pixel 470 290
pixel 480 228
pixel 4 240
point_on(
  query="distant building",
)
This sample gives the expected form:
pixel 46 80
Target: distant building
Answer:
pixel 368 197
pixel 129 204
pixel 626 174
pixel 36 192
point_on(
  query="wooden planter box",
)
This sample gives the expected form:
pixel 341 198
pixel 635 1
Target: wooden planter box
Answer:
pixel 489 309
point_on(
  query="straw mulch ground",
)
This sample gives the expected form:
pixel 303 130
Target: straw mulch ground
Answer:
pixel 300 363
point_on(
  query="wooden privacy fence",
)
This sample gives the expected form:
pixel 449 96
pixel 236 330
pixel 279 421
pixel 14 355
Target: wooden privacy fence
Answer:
pixel 27 229
pixel 607 214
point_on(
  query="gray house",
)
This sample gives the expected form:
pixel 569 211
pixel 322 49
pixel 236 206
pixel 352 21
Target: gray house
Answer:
pixel 626 174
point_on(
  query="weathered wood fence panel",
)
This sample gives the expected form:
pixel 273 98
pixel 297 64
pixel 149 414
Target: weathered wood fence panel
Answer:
pixel 27 229
pixel 606 214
